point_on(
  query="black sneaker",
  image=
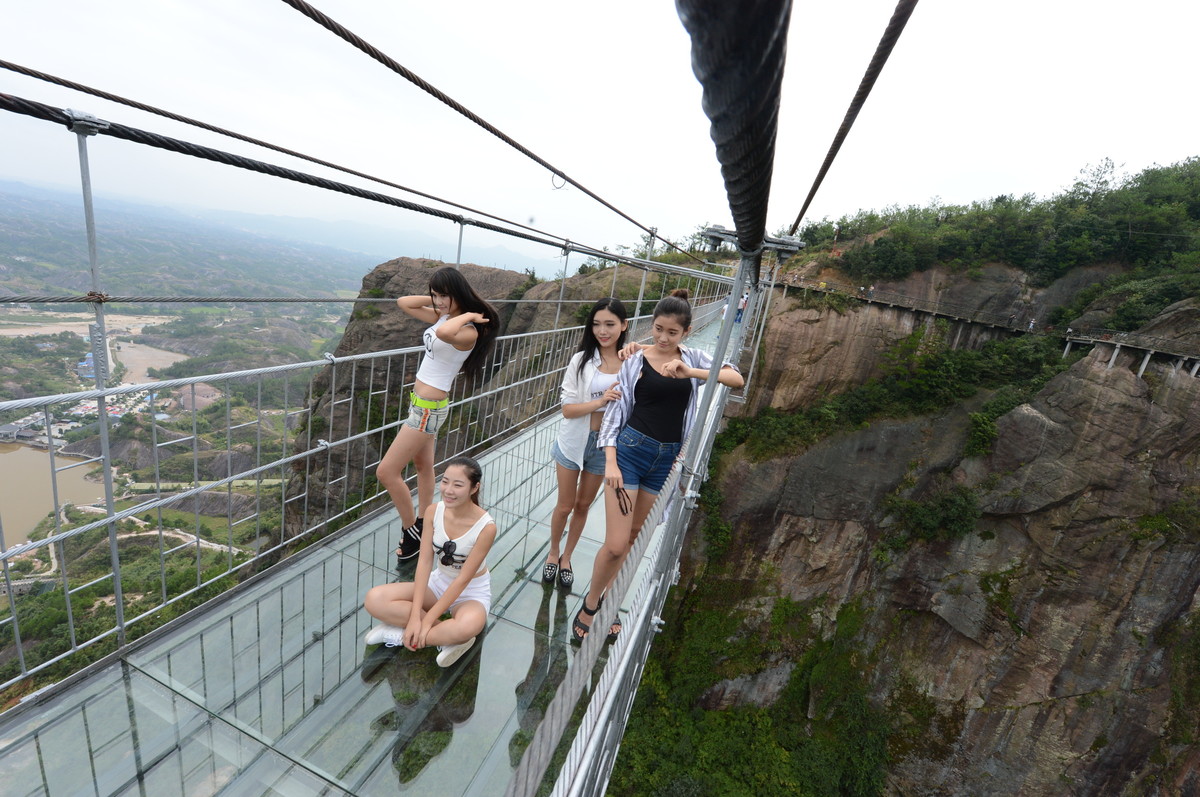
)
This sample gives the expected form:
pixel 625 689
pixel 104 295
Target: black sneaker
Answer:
pixel 410 542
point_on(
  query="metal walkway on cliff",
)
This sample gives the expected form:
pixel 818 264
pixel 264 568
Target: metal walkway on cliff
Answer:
pixel 261 684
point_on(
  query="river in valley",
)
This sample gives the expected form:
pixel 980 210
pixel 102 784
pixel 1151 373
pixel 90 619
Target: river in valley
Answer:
pixel 26 495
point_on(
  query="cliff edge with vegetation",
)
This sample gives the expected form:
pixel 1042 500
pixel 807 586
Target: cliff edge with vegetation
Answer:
pixel 942 564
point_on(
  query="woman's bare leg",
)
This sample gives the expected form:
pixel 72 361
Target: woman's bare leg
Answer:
pixel 568 481
pixel 589 485
pixel 407 446
pixel 466 621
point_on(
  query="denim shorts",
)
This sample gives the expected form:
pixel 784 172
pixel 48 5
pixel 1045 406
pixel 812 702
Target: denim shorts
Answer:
pixel 593 457
pixel 644 462
pixel 426 420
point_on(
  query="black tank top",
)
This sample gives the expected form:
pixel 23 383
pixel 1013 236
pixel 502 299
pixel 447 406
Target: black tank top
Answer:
pixel 660 403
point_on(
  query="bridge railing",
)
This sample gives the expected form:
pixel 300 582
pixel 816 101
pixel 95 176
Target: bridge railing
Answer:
pixel 250 466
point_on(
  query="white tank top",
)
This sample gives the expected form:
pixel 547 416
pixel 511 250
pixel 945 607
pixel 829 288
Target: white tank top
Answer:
pixel 441 362
pixel 600 383
pixel 462 545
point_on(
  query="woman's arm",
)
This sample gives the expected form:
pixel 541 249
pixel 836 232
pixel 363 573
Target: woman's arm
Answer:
pixel 695 364
pixel 459 332
pixel 419 307
pixel 588 407
pixel 727 376
pixel 475 561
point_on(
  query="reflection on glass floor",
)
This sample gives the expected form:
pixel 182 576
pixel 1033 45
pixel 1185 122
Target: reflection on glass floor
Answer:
pixel 271 691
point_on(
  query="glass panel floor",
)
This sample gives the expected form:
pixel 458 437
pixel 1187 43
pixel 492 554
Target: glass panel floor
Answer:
pixel 271 690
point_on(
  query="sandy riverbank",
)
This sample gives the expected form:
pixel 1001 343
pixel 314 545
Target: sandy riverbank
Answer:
pixel 15 322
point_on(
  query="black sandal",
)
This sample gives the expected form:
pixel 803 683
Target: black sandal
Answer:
pixel 549 571
pixel 565 578
pixel 612 634
pixel 579 631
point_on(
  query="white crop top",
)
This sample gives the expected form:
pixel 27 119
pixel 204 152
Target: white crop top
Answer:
pixel 600 383
pixel 441 362
pixel 462 545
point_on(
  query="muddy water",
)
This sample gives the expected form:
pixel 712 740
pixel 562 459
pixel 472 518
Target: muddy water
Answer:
pixel 137 358
pixel 25 488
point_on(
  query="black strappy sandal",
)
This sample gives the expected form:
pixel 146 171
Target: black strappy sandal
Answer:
pixel 579 630
pixel 549 572
pixel 614 630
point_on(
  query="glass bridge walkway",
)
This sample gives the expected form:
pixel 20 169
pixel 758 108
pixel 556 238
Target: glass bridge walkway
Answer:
pixel 270 690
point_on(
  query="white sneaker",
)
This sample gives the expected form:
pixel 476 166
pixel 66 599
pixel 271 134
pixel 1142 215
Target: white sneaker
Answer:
pixel 385 634
pixel 452 653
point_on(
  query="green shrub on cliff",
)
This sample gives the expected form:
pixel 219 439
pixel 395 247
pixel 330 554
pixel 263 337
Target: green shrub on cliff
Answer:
pixel 1142 220
pixel 919 382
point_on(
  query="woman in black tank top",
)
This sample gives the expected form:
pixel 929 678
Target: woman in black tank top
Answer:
pixel 642 434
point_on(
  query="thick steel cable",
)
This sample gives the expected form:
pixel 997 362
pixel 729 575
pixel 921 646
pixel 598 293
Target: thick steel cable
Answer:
pixel 891 34
pixel 104 298
pixel 49 113
pixel 24 70
pixel 38 110
pixel 738 54
pixel 350 37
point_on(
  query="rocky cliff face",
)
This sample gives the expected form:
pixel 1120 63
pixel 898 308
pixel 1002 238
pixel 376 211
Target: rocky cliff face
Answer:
pixel 1051 651
pixel 813 347
pixel 339 408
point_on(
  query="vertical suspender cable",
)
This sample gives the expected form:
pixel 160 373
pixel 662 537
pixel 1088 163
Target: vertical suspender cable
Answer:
pixel 899 18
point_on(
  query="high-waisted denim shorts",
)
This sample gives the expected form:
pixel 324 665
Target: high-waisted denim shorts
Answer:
pixel 644 462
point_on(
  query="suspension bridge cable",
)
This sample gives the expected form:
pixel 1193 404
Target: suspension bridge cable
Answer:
pixel 9 102
pixel 891 34
pixel 737 55
pixel 349 36
pixel 104 298
pixel 24 70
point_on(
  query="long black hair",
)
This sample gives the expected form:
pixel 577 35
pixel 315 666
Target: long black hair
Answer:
pixel 676 304
pixel 449 281
pixel 474 473
pixel 589 344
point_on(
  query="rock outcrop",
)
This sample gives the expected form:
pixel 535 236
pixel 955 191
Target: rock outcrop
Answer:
pixel 814 348
pixel 1055 642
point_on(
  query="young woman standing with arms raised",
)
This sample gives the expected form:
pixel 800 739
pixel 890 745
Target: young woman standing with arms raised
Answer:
pixel 457 537
pixel 642 434
pixel 461 336
pixel 588 386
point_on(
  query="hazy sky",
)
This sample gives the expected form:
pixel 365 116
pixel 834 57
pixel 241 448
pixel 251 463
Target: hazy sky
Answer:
pixel 978 99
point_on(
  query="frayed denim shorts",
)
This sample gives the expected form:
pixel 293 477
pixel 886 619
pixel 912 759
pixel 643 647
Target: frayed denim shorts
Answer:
pixel 426 419
pixel 593 456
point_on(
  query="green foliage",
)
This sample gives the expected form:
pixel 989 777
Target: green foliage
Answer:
pixel 947 513
pixel 1145 220
pixel 997 588
pixel 44 365
pixel 674 745
pixel 920 379
pixel 1182 642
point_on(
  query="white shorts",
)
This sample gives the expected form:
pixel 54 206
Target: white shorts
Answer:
pixel 477 589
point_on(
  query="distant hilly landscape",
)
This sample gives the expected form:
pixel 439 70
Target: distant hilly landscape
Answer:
pixel 149 250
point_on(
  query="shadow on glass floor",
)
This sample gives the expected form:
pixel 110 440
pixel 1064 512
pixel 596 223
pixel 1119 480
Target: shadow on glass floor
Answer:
pixel 270 690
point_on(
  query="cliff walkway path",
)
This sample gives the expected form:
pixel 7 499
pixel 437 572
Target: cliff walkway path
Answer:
pixel 1184 356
